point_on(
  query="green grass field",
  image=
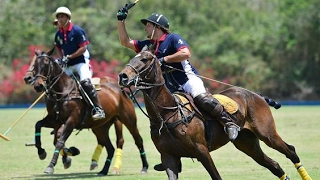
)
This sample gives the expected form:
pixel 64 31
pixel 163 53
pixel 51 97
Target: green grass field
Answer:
pixel 297 125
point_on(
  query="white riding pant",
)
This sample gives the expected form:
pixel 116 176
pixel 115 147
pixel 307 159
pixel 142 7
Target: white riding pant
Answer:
pixel 82 69
pixel 194 86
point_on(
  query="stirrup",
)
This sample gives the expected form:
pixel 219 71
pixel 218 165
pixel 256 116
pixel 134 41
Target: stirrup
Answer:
pixel 232 130
pixel 98 114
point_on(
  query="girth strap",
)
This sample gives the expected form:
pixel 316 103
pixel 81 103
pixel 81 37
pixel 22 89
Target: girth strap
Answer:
pixel 185 120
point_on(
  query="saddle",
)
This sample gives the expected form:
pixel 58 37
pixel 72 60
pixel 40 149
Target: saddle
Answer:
pixel 76 94
pixel 228 104
pixel 95 81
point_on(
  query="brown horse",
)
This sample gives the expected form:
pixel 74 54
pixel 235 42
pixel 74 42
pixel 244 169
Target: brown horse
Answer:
pixel 178 130
pixel 73 151
pixel 66 105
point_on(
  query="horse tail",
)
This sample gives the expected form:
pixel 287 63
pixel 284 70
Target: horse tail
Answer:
pixel 271 102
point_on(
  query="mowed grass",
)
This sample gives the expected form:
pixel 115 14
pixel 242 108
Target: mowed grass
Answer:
pixel 297 125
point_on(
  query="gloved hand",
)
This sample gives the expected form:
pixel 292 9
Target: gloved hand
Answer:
pixel 122 13
pixel 65 59
pixel 161 61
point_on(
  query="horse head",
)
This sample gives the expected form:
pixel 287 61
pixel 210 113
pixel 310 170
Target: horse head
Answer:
pixel 29 78
pixel 44 70
pixel 143 71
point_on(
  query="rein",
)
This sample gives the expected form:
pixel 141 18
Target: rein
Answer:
pixel 140 85
pixel 53 81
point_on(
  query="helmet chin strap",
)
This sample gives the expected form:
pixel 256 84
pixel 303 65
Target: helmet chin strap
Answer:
pixel 152 34
pixel 66 23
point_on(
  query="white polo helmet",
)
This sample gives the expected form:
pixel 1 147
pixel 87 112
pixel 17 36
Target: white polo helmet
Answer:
pixel 62 10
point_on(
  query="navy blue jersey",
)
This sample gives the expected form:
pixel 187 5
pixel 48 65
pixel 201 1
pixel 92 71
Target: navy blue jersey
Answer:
pixel 169 44
pixel 70 41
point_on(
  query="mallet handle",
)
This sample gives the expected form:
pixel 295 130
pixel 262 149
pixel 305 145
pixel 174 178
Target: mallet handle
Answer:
pixel 25 113
pixel 132 4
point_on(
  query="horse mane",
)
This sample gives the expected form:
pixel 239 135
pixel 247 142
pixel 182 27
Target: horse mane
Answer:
pixel 153 47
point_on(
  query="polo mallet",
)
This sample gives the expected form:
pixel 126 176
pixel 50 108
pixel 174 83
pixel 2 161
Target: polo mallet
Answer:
pixel 132 4
pixel 4 135
pixel 127 7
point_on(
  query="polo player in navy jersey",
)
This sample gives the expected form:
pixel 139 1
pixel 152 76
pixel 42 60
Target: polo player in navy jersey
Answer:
pixel 72 46
pixel 172 49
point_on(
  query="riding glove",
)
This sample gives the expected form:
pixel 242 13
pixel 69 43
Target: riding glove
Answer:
pixel 161 61
pixel 122 13
pixel 65 59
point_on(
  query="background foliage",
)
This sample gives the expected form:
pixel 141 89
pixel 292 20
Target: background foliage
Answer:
pixel 267 46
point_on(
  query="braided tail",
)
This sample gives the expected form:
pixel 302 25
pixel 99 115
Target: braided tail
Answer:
pixel 271 102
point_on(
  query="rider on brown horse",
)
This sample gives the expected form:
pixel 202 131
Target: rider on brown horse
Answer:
pixel 72 43
pixel 172 50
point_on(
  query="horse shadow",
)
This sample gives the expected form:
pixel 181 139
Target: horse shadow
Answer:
pixel 63 176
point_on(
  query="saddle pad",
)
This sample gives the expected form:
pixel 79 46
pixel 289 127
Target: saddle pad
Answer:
pixel 184 101
pixel 96 83
pixel 229 104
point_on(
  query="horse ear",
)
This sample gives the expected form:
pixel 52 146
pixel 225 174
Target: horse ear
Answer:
pixel 50 52
pixel 145 48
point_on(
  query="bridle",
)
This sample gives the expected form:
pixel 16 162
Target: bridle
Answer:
pixel 50 81
pixel 139 84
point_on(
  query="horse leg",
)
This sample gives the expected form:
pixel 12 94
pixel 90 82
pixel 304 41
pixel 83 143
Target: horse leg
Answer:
pixel 120 142
pixel 45 122
pixel 275 141
pixel 41 152
pixel 58 146
pixel 66 160
pixel 203 155
pixel 171 164
pixel 64 152
pixel 118 154
pixel 102 135
pixel 248 143
pixel 95 157
pixel 133 129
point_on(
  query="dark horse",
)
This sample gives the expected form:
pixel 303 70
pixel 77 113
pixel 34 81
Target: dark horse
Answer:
pixel 179 131
pixel 65 105
pixel 73 151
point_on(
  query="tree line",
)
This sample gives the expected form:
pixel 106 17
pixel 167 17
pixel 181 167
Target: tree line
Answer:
pixel 271 47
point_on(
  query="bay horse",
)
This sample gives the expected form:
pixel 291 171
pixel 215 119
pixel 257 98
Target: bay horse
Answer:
pixel 66 105
pixel 29 79
pixel 179 130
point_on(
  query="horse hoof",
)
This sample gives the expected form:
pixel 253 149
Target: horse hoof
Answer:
pixel 93 165
pixel 144 170
pixel 49 170
pixel 67 163
pixel 73 151
pixel 116 171
pixel 43 155
pixel 159 167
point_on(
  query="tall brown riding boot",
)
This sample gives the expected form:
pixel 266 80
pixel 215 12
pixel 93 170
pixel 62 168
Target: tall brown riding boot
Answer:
pixel 97 112
pixel 211 105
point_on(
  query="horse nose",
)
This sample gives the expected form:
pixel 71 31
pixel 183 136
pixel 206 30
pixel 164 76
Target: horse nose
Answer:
pixel 28 79
pixel 123 79
pixel 39 87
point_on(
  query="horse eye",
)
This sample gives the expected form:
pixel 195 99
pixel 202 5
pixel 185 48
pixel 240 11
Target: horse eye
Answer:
pixel 144 60
pixel 46 60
